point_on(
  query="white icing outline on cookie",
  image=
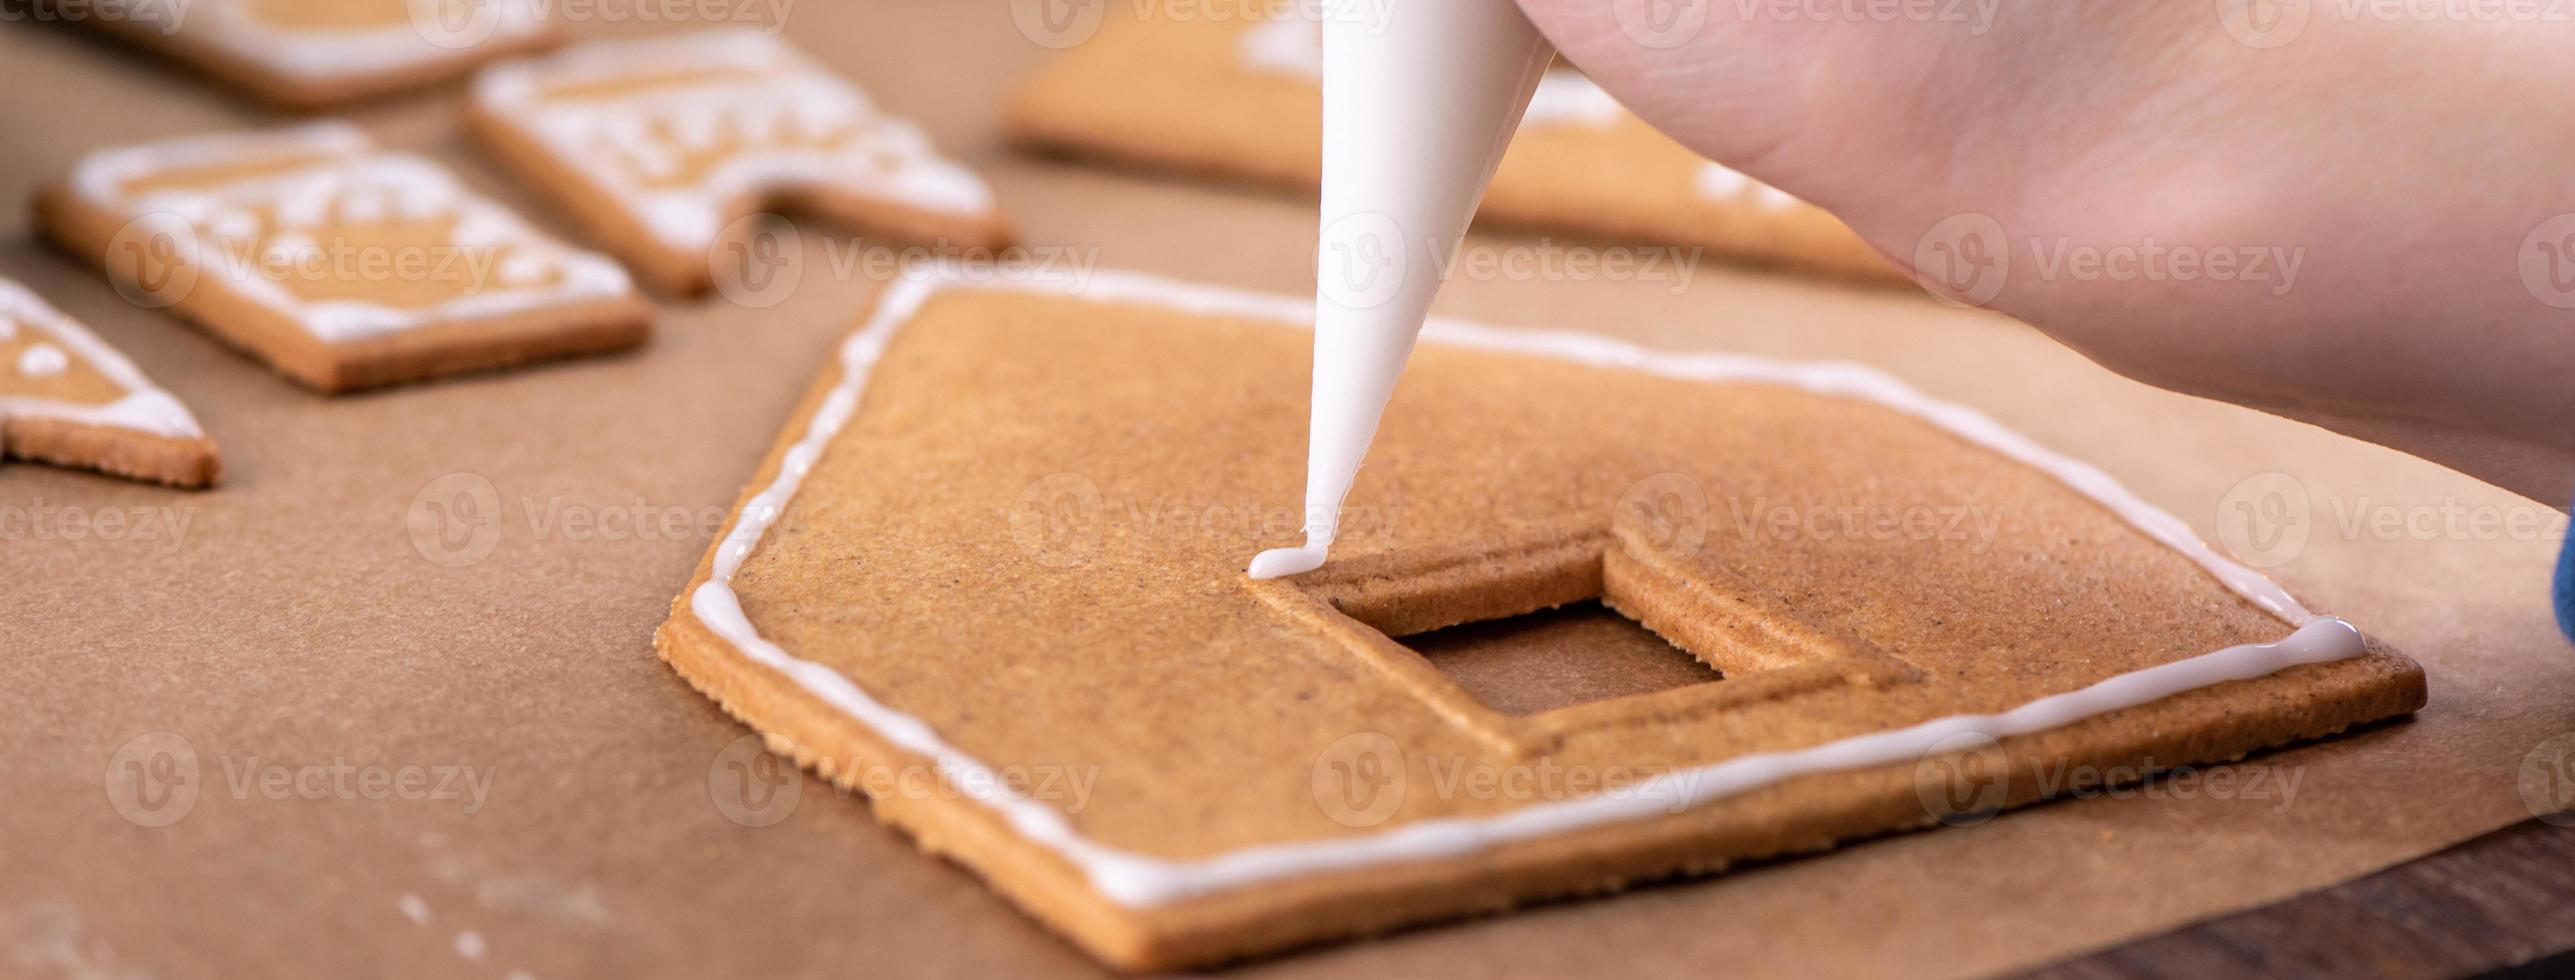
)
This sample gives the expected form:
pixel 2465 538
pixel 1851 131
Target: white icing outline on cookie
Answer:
pixel 1564 98
pixel 331 55
pixel 791 91
pixel 144 408
pixel 417 184
pixel 1134 880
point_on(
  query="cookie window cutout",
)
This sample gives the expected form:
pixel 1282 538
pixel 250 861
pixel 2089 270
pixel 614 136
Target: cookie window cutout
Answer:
pixel 1572 654
pixel 341 264
pixel 307 54
pixel 662 147
pixel 1529 641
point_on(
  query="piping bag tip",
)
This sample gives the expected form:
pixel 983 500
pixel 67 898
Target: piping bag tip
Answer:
pixel 1282 562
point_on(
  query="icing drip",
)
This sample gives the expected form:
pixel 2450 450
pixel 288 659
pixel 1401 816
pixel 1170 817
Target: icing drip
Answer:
pixel 144 407
pixel 349 180
pixel 767 116
pixel 1134 879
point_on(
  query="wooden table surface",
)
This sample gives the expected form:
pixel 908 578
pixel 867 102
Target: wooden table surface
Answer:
pixel 2501 904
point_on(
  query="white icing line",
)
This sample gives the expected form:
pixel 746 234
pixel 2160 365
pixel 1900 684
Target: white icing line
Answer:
pixel 144 408
pixel 430 32
pixel 1134 879
pixel 627 144
pixel 208 224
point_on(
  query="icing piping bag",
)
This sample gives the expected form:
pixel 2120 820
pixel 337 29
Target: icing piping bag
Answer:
pixel 1419 99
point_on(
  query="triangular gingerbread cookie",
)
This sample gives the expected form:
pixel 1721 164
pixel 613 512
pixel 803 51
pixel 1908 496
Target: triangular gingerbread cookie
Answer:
pixel 991 574
pixel 69 399
pixel 660 146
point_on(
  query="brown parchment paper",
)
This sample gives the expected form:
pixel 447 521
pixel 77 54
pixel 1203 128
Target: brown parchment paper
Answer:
pixel 402 754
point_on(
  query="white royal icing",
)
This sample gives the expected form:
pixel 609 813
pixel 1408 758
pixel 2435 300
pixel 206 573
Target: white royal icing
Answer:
pixel 143 408
pixel 429 31
pixel 632 145
pixel 1135 879
pixel 1564 98
pixel 349 178
pixel 43 361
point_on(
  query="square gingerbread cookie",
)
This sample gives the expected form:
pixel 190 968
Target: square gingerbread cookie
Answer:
pixel 661 147
pixel 340 264
pixel 1002 543
pixel 1241 95
pixel 306 54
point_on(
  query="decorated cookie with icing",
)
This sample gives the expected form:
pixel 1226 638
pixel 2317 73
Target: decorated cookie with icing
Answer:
pixel 1241 95
pixel 313 53
pixel 1735 608
pixel 69 399
pixel 341 264
pixel 659 147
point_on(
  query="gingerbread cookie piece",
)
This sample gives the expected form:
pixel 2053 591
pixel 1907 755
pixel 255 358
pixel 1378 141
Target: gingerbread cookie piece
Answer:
pixel 658 146
pixel 304 54
pixel 1872 611
pixel 69 399
pixel 1242 96
pixel 340 264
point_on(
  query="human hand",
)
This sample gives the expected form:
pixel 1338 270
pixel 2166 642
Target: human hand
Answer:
pixel 2391 199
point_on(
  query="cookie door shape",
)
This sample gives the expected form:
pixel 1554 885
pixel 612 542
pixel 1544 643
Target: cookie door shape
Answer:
pixel 69 399
pixel 661 146
pixel 340 264
pixel 1003 541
